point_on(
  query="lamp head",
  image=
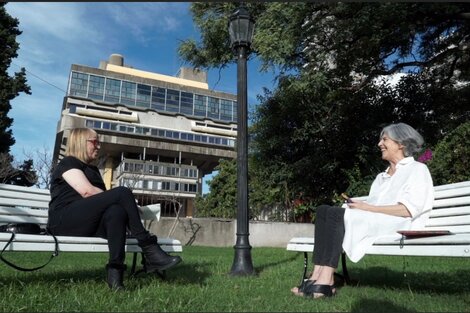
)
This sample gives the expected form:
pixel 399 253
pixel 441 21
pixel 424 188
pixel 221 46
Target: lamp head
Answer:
pixel 241 28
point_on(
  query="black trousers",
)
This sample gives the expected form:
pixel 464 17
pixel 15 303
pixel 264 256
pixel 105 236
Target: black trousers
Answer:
pixel 106 215
pixel 329 234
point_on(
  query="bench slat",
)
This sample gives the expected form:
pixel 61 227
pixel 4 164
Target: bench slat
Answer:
pixel 452 193
pixel 451 202
pixel 5 219
pixel 423 250
pixel 22 212
pixel 450 221
pixel 22 195
pixel 24 203
pixel 26 242
pixel 462 210
pixel 22 189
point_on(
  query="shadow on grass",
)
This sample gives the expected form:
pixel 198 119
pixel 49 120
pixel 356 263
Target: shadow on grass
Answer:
pixel 72 276
pixel 445 283
pixel 370 305
pixel 261 268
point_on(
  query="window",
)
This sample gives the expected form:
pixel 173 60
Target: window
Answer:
pixel 96 88
pixel 79 84
pixel 225 110
pixel 235 108
pixel 213 108
pixel 128 93
pixel 143 96
pixel 113 90
pixel 200 103
pixel 186 103
pixel 158 98
pixel 172 100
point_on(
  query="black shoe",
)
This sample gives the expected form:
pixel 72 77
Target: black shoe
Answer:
pixel 155 258
pixel 115 276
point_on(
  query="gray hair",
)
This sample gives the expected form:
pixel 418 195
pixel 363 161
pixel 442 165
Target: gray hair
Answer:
pixel 405 135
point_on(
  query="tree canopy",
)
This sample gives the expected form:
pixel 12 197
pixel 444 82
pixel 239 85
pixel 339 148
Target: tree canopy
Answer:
pixel 10 86
pixel 315 134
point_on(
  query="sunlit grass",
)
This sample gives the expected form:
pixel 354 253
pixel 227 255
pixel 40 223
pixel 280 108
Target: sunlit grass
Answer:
pixel 75 282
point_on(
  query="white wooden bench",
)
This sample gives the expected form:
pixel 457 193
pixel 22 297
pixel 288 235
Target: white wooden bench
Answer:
pixel 29 205
pixel 451 211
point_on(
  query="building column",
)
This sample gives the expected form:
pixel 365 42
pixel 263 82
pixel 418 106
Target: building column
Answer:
pixel 108 173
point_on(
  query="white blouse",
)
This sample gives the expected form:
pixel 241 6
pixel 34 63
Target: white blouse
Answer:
pixel 411 185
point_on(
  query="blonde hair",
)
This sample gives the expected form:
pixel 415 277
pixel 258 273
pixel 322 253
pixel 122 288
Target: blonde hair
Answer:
pixel 77 143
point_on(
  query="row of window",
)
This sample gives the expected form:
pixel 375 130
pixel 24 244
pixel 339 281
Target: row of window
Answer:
pixel 162 133
pixel 158 169
pixel 151 184
pixel 145 96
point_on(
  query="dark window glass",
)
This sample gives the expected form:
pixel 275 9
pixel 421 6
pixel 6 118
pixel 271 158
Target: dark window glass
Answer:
pixel 143 95
pixel 128 93
pixel 225 110
pixel 235 110
pixel 172 100
pixel 186 103
pixel 158 98
pixel 96 88
pixel 79 84
pixel 113 90
pixel 213 108
pixel 200 104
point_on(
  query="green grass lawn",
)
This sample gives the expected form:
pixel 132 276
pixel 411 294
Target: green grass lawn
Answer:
pixel 75 282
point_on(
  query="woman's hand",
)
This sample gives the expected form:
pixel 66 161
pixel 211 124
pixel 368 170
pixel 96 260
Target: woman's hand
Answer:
pixel 357 204
pixel 395 210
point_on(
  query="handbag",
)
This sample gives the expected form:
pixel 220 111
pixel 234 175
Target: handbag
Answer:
pixel 26 228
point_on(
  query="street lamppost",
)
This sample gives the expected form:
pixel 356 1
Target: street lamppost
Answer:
pixel 241 27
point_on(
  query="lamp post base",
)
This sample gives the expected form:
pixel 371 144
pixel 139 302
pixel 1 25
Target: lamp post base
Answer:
pixel 242 263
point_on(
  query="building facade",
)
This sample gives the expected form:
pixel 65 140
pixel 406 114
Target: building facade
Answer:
pixel 159 134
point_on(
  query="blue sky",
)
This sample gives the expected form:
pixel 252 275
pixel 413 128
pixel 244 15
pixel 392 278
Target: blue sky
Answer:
pixel 57 35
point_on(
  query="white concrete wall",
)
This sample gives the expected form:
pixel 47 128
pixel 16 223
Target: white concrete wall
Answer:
pixel 222 232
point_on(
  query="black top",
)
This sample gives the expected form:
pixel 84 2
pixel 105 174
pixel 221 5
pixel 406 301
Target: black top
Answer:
pixel 62 193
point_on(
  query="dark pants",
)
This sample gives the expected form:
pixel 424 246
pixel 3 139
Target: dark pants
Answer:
pixel 107 215
pixel 329 234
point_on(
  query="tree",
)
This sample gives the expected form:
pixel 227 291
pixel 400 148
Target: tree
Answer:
pixel 221 201
pixel 450 159
pixel 10 86
pixel 318 129
pixel 16 174
pixel 43 166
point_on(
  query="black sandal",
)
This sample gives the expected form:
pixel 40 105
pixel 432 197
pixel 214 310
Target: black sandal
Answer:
pixel 325 290
pixel 305 284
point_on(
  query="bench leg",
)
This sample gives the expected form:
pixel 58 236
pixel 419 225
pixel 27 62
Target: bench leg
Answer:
pixel 346 278
pixel 304 274
pixel 134 261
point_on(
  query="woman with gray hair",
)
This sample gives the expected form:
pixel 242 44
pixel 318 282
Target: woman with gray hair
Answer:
pixel 400 198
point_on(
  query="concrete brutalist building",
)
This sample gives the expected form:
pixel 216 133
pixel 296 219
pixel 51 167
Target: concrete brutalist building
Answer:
pixel 160 134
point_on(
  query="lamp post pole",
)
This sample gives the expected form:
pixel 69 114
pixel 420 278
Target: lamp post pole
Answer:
pixel 241 23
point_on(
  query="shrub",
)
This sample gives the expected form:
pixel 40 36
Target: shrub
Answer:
pixel 451 157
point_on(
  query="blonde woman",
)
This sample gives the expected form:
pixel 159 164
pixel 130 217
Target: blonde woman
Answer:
pixel 81 206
